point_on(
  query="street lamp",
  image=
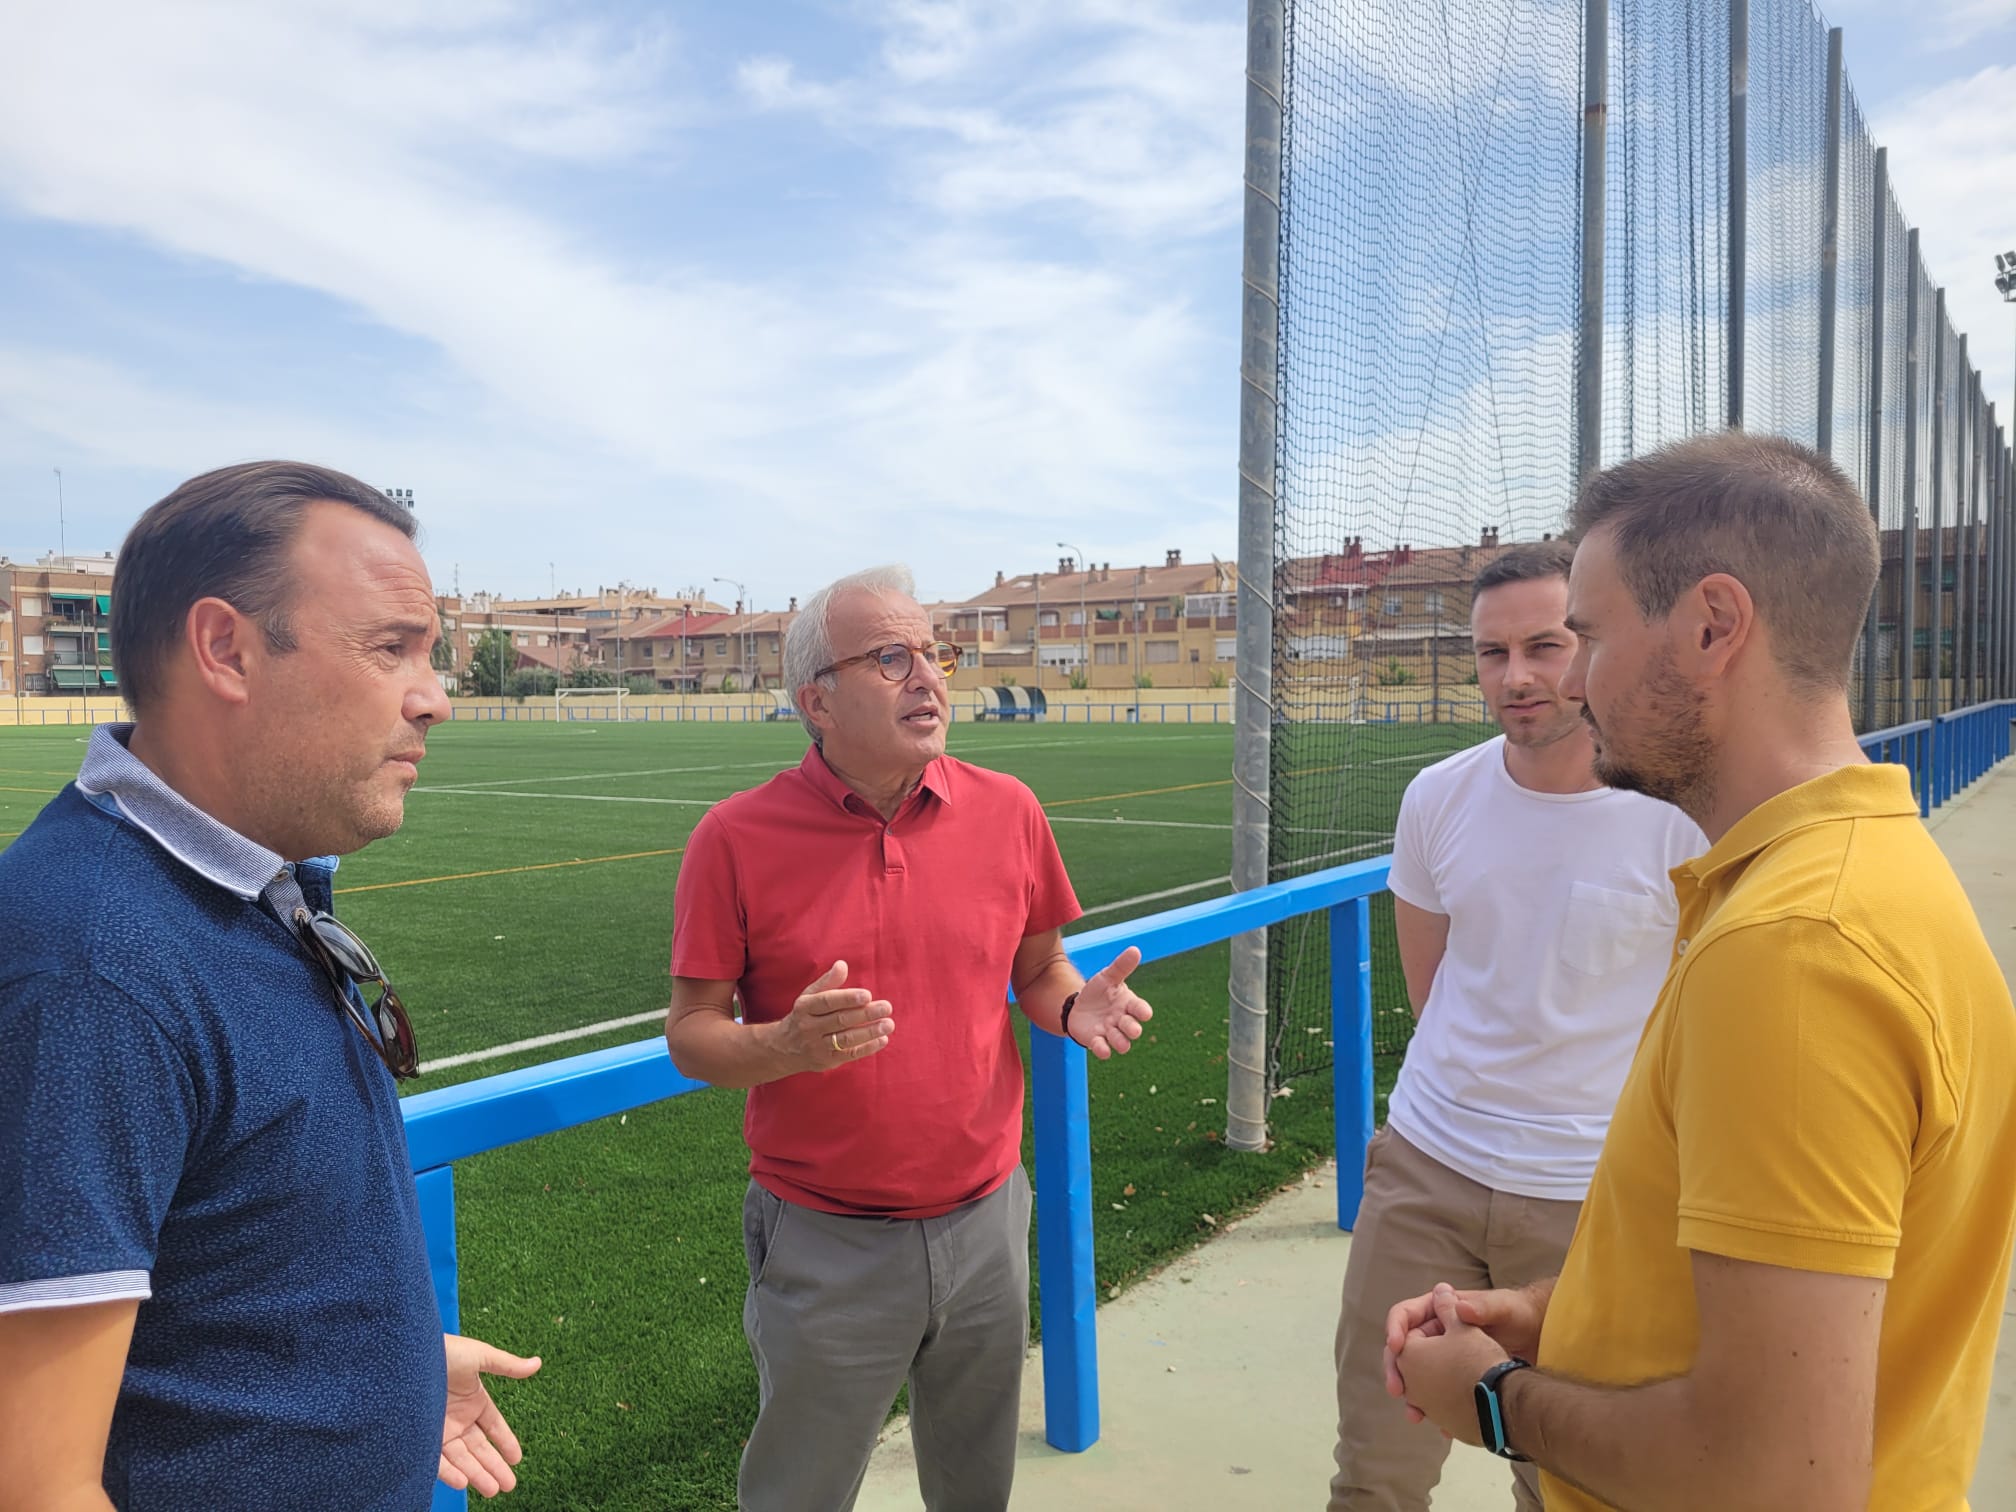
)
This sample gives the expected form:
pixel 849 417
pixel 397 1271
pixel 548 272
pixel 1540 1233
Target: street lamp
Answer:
pixel 62 545
pixel 742 602
pixel 1084 626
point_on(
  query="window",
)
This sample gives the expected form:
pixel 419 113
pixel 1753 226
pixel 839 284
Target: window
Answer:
pixel 31 608
pixel 1196 655
pixel 1161 651
pixel 543 640
pixel 1049 618
pixel 721 648
pixel 521 640
pixel 1110 653
pixel 31 645
pixel 1227 648
pixel 1207 605
pixel 1391 604
pixel 1077 616
pixel 1434 601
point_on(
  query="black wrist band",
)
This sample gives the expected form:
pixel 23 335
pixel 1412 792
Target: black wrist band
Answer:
pixel 1064 1016
pixel 1491 1409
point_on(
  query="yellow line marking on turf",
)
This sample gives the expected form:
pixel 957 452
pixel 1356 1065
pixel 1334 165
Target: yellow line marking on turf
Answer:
pixel 1185 787
pixel 48 792
pixel 28 772
pixel 505 871
pixel 1182 787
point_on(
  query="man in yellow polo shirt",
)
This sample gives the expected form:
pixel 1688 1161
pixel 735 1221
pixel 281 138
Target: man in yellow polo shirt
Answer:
pixel 1786 1284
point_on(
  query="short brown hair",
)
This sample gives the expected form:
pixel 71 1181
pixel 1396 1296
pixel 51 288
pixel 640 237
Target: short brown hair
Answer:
pixel 222 535
pixel 1526 562
pixel 1778 517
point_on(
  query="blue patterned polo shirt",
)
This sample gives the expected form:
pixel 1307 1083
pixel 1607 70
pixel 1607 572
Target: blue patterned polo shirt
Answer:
pixel 187 1118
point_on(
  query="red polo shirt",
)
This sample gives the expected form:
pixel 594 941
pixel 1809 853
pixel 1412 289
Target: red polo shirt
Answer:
pixel 927 911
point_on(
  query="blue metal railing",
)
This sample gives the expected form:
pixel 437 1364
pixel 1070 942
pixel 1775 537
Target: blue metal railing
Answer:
pixel 1948 754
pixel 1944 755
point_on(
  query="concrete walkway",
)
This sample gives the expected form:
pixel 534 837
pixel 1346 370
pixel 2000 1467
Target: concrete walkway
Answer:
pixel 1215 1375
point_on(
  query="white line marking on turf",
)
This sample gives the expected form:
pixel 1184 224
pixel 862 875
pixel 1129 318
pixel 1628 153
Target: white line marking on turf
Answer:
pixel 540 1041
pixel 566 797
pixel 1156 897
pixel 725 766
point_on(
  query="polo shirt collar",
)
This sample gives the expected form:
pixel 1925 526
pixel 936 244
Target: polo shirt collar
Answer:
pixel 113 778
pixel 937 781
pixel 1871 791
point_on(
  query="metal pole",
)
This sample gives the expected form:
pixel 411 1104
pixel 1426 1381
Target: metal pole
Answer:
pixel 1830 243
pixel 1589 345
pixel 1977 457
pixel 1739 195
pixel 62 532
pixel 1998 606
pixel 1907 573
pixel 1259 400
pixel 1878 239
pixel 1936 702
pixel 1036 630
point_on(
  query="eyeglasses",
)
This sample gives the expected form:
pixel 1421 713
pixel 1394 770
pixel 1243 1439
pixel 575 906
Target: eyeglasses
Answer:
pixel 345 959
pixel 895 661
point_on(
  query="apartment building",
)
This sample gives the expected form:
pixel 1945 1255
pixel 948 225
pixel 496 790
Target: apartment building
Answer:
pixel 556 642
pixel 1102 626
pixel 59 636
pixel 700 651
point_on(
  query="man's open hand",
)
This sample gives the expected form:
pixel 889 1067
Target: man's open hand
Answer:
pixel 831 1024
pixel 1108 1016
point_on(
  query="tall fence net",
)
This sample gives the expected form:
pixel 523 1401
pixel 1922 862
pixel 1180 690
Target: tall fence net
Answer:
pixel 1430 261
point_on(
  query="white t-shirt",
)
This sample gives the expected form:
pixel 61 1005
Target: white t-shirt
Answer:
pixel 1561 927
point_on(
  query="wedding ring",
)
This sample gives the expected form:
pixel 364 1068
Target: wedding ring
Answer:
pixel 836 1042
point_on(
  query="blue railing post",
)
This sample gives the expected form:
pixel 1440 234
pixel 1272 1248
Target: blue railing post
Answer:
pixel 1351 1048
pixel 1065 1281
pixel 437 1217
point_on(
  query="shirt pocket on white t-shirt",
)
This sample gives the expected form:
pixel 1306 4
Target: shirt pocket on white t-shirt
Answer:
pixel 1607 931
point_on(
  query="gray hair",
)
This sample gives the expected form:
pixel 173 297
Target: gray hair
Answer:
pixel 808 643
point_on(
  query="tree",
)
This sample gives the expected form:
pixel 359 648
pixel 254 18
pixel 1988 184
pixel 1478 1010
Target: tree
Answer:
pixel 641 683
pixel 581 675
pixel 531 682
pixel 442 657
pixel 490 664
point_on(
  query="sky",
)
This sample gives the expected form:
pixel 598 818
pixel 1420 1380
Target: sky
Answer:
pixel 671 293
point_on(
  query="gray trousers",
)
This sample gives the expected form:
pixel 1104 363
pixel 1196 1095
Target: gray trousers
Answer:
pixel 1421 1223
pixel 842 1310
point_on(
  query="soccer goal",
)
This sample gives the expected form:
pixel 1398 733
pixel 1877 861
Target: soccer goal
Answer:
pixel 591 703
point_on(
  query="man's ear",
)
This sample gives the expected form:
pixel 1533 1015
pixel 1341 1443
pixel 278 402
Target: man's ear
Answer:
pixel 1714 622
pixel 222 639
pixel 811 701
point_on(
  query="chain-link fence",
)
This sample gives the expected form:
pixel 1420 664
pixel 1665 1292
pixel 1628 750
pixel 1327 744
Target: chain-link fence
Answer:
pixel 1443 322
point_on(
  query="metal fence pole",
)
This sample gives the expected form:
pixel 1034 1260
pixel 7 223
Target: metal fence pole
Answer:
pixel 1879 236
pixel 1259 420
pixel 1969 500
pixel 1991 527
pixel 1830 242
pixel 1936 701
pixel 1907 566
pixel 1589 348
pixel 1739 196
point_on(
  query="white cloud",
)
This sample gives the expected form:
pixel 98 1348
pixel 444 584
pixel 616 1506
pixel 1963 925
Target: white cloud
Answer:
pixel 393 160
pixel 1953 160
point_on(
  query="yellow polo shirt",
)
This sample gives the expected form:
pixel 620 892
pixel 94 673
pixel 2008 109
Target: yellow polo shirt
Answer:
pixel 1828 1083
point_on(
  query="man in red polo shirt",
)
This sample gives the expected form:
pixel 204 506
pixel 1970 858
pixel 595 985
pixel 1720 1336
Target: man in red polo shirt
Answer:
pixel 870 909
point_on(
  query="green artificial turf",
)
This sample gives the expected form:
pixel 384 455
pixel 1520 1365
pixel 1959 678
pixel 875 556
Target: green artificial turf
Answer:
pixel 614 1249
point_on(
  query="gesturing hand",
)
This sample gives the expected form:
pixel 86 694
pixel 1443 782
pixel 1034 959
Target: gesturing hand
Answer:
pixel 1108 1016
pixel 832 1023
pixel 478 1447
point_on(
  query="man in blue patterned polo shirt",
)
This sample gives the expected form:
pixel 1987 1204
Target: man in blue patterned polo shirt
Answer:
pixel 213 1283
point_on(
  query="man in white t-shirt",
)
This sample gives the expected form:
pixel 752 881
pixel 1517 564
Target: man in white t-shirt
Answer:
pixel 1535 922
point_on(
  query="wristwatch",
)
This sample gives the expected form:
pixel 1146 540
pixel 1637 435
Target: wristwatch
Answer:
pixel 1491 1412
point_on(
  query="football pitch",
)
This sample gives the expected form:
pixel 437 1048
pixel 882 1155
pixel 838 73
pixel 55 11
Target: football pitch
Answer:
pixel 525 911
